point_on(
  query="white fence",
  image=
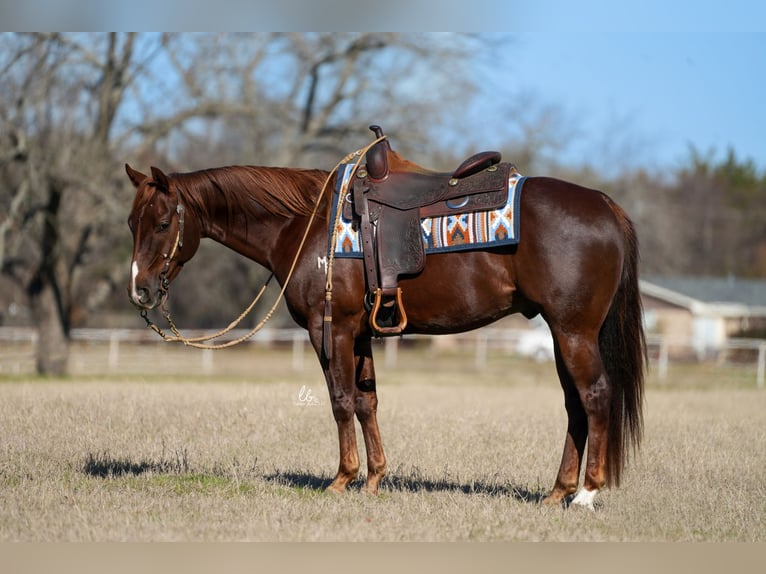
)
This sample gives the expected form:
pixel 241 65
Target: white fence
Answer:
pixel 754 350
pixel 17 348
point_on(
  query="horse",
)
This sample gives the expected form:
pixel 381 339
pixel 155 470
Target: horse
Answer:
pixel 576 265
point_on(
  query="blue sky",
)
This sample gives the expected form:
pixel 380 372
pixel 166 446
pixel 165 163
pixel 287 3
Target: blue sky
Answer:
pixel 664 74
pixel 655 94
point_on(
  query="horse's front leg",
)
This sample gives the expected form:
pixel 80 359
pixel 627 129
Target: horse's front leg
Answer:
pixel 340 377
pixel 366 407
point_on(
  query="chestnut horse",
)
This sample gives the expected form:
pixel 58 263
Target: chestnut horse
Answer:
pixel 575 265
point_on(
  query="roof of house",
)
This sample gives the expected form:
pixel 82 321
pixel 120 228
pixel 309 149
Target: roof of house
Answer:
pixel 722 295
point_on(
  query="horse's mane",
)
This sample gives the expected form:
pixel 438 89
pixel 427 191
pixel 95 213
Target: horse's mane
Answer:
pixel 281 191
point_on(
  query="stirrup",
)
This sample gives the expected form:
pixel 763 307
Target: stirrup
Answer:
pixel 398 308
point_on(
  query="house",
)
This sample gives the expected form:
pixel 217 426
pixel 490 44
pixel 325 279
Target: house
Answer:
pixel 700 314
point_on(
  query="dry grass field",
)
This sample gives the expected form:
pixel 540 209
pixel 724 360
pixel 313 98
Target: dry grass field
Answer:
pixel 180 456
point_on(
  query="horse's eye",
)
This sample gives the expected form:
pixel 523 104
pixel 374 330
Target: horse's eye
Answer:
pixel 163 227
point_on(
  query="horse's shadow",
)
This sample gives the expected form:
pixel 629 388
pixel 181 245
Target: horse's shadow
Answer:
pixel 399 483
pixel 104 466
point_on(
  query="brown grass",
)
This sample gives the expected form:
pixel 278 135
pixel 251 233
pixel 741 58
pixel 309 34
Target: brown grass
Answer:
pixel 188 458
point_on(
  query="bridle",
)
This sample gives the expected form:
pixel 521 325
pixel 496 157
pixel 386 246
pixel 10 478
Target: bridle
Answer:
pixel 164 282
pixel 177 244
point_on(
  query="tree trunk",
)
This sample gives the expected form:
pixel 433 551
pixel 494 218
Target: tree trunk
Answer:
pixel 45 297
pixel 52 354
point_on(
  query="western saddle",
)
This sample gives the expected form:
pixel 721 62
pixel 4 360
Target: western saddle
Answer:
pixel 389 197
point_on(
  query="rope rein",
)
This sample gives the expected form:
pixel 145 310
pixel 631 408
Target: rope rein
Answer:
pixel 201 342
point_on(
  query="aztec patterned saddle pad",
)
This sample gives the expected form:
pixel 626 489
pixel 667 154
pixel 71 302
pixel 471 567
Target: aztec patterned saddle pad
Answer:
pixel 459 232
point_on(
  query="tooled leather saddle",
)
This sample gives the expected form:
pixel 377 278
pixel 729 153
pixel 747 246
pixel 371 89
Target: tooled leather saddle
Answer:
pixel 389 197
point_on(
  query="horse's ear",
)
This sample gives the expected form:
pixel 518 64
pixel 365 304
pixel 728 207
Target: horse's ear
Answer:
pixel 136 177
pixel 160 179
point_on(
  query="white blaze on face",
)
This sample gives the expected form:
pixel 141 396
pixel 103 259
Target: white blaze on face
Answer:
pixel 133 275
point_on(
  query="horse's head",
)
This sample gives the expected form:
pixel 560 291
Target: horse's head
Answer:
pixel 164 237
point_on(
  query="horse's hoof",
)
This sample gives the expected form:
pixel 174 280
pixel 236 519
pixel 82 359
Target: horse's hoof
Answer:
pixel 552 500
pixel 585 498
pixel 557 497
pixel 335 489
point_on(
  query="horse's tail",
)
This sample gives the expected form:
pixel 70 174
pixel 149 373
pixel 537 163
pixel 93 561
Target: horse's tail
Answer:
pixel 623 351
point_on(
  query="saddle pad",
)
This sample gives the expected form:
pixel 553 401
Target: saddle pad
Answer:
pixel 461 232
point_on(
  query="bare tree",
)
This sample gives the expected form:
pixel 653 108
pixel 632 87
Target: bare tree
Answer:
pixel 55 154
pixel 74 107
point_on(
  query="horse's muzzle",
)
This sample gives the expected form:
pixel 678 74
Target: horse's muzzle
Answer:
pixel 142 298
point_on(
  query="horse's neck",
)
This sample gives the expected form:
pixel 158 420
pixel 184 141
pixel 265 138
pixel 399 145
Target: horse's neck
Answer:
pixel 255 232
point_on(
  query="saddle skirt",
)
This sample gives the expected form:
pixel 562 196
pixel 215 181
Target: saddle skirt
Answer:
pixel 476 229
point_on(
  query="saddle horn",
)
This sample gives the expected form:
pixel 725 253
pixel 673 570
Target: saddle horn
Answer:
pixel 377 162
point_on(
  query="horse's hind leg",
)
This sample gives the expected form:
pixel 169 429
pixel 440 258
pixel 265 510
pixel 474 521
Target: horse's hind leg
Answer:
pixel 366 407
pixel 586 397
pixel 576 436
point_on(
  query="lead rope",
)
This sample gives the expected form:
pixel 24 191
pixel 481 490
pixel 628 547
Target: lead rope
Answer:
pixel 199 342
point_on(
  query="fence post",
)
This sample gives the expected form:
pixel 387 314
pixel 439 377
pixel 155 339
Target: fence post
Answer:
pixel 207 361
pixel 392 350
pixel 114 351
pixel 663 359
pixel 298 351
pixel 481 350
pixel 761 365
